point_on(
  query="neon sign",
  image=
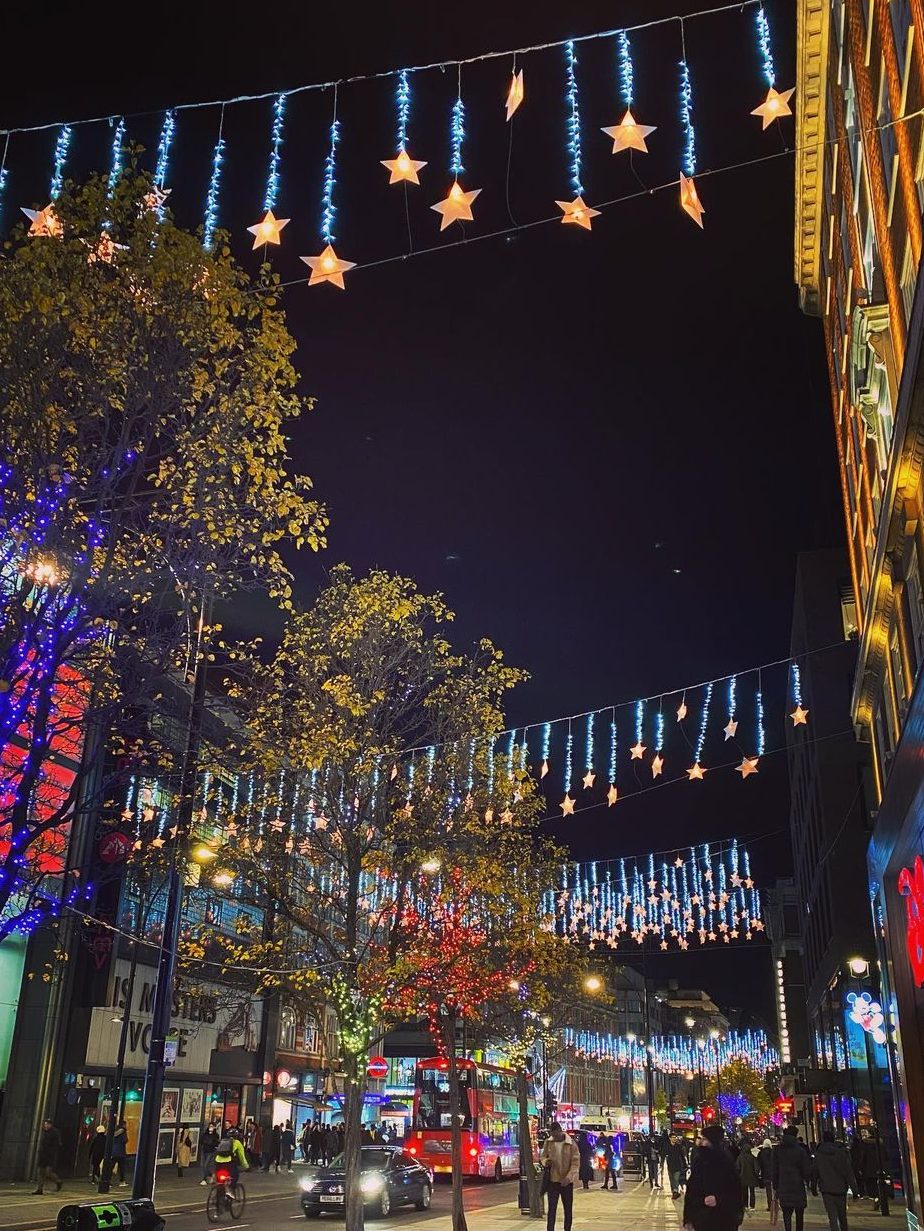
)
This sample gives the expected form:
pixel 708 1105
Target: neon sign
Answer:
pixel 867 1013
pixel 911 887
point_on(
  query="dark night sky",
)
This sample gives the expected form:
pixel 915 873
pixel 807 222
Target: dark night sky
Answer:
pixel 544 427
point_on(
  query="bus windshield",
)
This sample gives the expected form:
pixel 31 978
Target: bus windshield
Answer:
pixel 433 1110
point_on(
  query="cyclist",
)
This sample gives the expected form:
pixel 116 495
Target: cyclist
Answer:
pixel 231 1154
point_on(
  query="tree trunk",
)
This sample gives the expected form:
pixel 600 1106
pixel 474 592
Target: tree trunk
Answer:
pixel 352 1119
pixel 458 1206
pixel 527 1162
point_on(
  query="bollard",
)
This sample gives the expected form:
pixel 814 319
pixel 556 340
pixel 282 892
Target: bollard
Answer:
pixel 132 1215
pixel 523 1196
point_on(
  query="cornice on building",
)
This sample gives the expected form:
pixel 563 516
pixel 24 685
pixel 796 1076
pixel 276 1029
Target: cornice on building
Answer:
pixel 812 25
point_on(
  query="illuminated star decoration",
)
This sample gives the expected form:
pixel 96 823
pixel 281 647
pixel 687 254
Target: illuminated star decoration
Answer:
pixel 799 717
pixel 747 767
pixel 637 750
pixel 689 197
pixel 730 729
pixel 403 168
pixel 567 806
pixel 328 267
pixel 682 711
pixel 588 779
pixel 104 250
pixel 628 134
pixel 657 765
pixel 457 205
pixel 267 230
pixel 612 795
pixel 515 94
pixel 154 200
pixel 696 771
pixel 776 104
pixel 43 222
pixel 576 212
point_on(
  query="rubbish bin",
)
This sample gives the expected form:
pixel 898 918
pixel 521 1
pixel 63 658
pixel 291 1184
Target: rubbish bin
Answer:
pixel 136 1215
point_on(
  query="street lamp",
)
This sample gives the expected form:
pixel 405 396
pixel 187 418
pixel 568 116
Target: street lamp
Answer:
pixel 593 984
pixel 859 966
pixel 630 1038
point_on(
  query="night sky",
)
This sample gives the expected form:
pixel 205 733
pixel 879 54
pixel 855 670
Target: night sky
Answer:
pixel 605 449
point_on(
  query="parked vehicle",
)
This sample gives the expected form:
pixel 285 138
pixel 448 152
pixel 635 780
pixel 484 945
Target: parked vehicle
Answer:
pixel 390 1177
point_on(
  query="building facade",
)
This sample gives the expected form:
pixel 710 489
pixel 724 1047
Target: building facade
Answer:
pixel 858 232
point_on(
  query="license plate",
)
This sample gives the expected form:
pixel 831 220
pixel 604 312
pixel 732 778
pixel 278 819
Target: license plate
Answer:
pixel 332 1200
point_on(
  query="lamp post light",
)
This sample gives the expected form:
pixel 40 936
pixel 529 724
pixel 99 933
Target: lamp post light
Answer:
pixel 715 1036
pixel 700 1048
pixel 630 1039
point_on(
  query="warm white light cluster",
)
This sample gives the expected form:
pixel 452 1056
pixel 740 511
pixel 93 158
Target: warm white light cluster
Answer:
pixel 781 1009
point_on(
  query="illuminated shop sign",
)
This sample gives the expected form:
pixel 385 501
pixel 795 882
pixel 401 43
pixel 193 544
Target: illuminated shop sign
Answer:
pixel 911 887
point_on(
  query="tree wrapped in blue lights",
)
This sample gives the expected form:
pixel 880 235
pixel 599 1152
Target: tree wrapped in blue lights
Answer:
pixel 143 470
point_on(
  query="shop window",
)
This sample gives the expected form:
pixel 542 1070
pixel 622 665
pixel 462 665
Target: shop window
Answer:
pixel 312 1036
pixel 287 1029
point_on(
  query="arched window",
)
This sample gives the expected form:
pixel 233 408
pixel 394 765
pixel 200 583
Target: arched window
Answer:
pixel 312 1039
pixel 287 1029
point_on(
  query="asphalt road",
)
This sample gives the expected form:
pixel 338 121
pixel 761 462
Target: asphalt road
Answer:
pixel 272 1205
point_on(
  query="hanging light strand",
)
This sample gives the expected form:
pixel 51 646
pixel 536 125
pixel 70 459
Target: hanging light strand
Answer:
pixel 613 746
pixel 403 109
pixel 796 683
pixel 118 155
pixel 211 197
pixel 686 118
pixel 759 701
pixel 4 169
pixel 624 66
pixel 764 46
pixel 163 148
pixel 703 722
pixel 589 743
pixel 574 119
pixel 569 757
pixel 272 177
pixel 62 145
pixel 328 209
pixel 457 135
pixel 639 720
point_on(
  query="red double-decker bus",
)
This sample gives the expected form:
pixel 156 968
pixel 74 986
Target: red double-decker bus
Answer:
pixel 488 1111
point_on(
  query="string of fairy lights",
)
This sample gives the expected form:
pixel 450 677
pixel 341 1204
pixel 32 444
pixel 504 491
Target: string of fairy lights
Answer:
pixel 458 204
pixel 677 1054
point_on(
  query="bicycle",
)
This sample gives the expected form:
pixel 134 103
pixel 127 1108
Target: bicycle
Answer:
pixel 223 1197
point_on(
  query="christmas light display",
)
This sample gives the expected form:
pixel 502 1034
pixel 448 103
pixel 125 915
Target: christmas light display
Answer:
pixel 675 1054
pixel 62 145
pixel 211 200
pixel 776 104
pixel 402 167
pixel 689 197
pixel 4 170
pixel 327 266
pixel 117 156
pixel 701 896
pixel 457 205
pixel 163 156
pixel 576 211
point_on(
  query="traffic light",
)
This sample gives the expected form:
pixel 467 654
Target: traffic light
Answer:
pixel 551 1104
pixel 708 1114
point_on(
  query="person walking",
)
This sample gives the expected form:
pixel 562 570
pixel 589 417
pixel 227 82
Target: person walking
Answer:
pixel 869 1163
pixel 585 1150
pixel 676 1166
pixel 765 1166
pixel 287 1146
pixel 791 1168
pixel 208 1145
pixel 119 1152
pixel 608 1145
pixel 834 1175
pixel 749 1174
pixel 331 1144
pixel 662 1145
pixel 561 1158
pixel 303 1140
pixel 713 1196
pixel 315 1143
pixel 97 1152
pixel 183 1152
pixel 276 1146
pixel 47 1158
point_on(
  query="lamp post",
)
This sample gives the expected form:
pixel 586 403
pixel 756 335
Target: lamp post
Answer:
pixel 859 968
pixel 700 1048
pixel 715 1036
pixel 630 1039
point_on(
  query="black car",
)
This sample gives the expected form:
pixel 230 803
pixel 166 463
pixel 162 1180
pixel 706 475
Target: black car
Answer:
pixel 390 1177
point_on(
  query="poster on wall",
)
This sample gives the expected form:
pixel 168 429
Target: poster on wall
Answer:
pixel 191 1105
pixel 165 1145
pixel 169 1105
pixel 193 1134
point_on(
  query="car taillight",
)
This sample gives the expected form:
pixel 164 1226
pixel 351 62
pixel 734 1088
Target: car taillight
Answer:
pixel 412 1149
pixel 222 1177
pixel 473 1152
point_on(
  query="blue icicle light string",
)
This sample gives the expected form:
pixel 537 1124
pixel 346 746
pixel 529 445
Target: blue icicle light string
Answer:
pixel 328 210
pixel 118 156
pixel 457 136
pixel 4 170
pixel 613 748
pixel 211 199
pixel 589 743
pixel 272 176
pixel 763 43
pixel 759 701
pixel 62 145
pixel 703 723
pixel 796 684
pixel 569 751
pixel 624 64
pixel 686 119
pixel 574 119
pixel 163 148
pixel 639 720
pixel 403 109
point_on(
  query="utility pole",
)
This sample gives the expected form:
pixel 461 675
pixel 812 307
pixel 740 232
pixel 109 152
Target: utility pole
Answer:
pixel 149 1128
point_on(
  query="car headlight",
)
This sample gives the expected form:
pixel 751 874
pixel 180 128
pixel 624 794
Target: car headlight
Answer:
pixel 309 1186
pixel 372 1184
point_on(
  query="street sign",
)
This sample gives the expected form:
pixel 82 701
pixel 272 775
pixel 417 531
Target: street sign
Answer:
pixel 377 1067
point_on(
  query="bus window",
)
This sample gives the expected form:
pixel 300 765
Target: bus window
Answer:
pixel 433 1106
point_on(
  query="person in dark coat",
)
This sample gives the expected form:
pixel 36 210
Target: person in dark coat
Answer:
pixel 869 1169
pixel 276 1147
pixel 749 1172
pixel 792 1167
pixel 586 1165
pixel 834 1175
pixel 47 1158
pixel 609 1145
pixel 97 1151
pixel 207 1147
pixel 119 1152
pixel 676 1166
pixel 713 1198
pixel 856 1160
pixel 765 1166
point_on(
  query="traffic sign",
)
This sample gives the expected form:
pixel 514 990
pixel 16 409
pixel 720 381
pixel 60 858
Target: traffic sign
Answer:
pixel 377 1067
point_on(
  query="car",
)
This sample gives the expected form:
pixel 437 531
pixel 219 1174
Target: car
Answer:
pixel 390 1177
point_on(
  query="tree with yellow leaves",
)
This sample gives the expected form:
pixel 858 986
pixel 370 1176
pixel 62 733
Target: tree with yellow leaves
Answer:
pixel 371 747
pixel 146 388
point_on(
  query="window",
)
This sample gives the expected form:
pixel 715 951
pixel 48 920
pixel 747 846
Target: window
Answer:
pixel 287 1029
pixel 887 142
pixel 312 1038
pixel 908 279
pixel 849 613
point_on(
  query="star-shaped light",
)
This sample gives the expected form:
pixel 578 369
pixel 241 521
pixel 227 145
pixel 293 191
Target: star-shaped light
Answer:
pixel 799 716
pixel 327 267
pixel 657 765
pixel 774 106
pixel 403 168
pixel 321 823
pixel 681 711
pixel 731 729
pixel 612 795
pixel 638 751
pixel 266 231
pixel 515 94
pixel 663 944
pixel 156 198
pixel 696 771
pixel 678 862
pixel 457 206
pixel 567 806
pixel 104 250
pixel 43 222
pixel 577 212
pixel 489 815
pixel 629 135
pixel 589 779
pixel 506 817
pixel 748 766
pixel 544 770
pixel 689 199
